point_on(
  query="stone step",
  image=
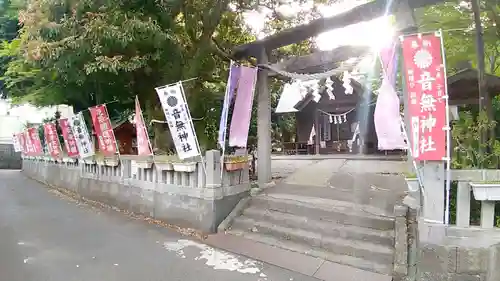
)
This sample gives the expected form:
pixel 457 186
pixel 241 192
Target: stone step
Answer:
pixel 355 248
pixel 340 212
pixel 326 228
pixel 360 263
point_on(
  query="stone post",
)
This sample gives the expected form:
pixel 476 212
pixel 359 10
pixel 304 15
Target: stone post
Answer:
pixel 213 178
pixel 400 269
pixel 263 123
pixel 317 138
pixel 433 177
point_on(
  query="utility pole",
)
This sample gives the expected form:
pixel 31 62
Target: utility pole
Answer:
pixel 484 103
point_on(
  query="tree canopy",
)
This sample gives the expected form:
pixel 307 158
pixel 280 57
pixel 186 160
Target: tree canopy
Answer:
pixel 459 32
pixel 85 52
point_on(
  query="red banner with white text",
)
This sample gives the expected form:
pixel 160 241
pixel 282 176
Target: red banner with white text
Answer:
pixel 427 98
pixel 69 138
pixel 143 145
pixel 103 130
pixel 22 142
pixel 34 145
pixel 52 140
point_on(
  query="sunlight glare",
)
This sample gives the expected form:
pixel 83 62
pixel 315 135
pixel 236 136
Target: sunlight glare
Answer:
pixel 375 34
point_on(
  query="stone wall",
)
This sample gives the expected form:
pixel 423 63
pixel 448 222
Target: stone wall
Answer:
pixel 194 199
pixel 450 253
pixel 8 158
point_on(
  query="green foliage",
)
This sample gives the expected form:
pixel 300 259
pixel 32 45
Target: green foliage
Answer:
pixel 459 34
pixel 84 53
pixel 466 134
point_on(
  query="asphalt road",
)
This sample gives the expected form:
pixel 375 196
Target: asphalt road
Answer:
pixel 45 236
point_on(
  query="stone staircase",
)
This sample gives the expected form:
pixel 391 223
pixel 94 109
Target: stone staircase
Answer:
pixel 343 232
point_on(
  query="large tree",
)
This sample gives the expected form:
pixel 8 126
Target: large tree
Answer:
pixel 84 52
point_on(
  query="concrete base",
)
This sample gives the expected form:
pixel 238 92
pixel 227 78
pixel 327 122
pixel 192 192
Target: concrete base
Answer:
pixel 202 209
pixel 457 254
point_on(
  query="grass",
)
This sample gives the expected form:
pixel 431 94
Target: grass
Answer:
pixel 488 182
pixel 410 175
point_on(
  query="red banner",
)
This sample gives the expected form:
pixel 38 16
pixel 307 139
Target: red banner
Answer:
pixel 34 146
pixel 425 86
pixel 27 144
pixel 52 140
pixel 143 146
pixel 69 138
pixel 22 142
pixel 103 130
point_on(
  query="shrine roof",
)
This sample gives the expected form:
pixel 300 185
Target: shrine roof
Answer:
pixel 319 62
pixel 463 86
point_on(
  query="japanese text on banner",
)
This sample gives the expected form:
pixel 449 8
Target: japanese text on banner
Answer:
pixel 143 145
pixel 103 130
pixel 17 143
pixel 179 120
pixel 425 86
pixel 69 138
pixel 79 128
pixel 22 142
pixel 52 139
pixel 34 144
pixel 29 145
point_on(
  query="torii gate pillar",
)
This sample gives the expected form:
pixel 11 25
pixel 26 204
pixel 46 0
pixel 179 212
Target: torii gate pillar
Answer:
pixel 263 122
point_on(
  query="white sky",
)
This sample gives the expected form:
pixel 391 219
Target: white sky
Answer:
pixel 372 33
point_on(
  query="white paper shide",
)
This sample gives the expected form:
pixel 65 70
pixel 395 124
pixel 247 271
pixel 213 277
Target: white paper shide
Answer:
pixel 179 120
pixel 79 129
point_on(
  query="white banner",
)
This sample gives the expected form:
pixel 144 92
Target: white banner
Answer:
pixel 82 137
pixel 16 143
pixel 179 120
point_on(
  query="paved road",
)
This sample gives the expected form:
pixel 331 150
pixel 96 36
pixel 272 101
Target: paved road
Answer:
pixel 47 237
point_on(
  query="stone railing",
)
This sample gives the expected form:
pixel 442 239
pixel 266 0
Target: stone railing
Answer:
pixel 186 194
pixel 461 250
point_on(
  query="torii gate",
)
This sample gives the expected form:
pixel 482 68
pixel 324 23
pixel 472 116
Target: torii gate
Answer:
pixel 260 49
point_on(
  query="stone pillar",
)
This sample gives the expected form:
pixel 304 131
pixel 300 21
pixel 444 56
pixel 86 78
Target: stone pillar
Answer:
pixel 317 138
pixel 263 123
pixel 433 178
pixel 212 179
pixel 400 265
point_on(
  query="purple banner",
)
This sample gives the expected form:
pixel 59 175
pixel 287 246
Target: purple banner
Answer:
pixel 232 83
pixel 386 117
pixel 240 122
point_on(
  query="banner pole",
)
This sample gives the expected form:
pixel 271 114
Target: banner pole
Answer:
pixel 448 134
pixel 226 115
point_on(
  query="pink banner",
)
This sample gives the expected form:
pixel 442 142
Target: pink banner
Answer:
pixel 34 145
pixel 425 85
pixel 69 138
pixel 52 140
pixel 242 112
pixel 22 141
pixel 143 145
pixel 103 130
pixel 387 117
